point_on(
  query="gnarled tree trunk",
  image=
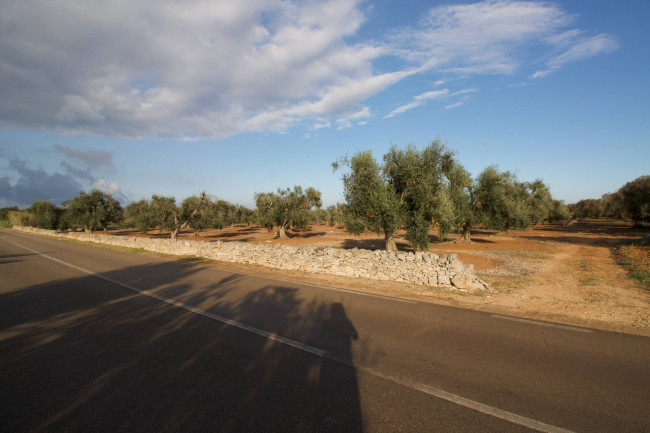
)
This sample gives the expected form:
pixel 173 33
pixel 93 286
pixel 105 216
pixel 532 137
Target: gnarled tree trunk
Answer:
pixel 390 243
pixel 464 238
pixel 281 233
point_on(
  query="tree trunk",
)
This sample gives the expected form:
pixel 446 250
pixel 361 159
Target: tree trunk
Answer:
pixel 390 243
pixel 464 238
pixel 281 233
pixel 174 233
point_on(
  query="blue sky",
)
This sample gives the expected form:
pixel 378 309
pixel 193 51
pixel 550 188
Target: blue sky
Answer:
pixel 169 97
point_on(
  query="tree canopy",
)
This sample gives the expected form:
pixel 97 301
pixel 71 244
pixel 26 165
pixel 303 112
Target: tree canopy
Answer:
pixel 419 189
pixel 286 208
pixel 372 203
pixel 421 180
pixel 636 199
pixel 92 210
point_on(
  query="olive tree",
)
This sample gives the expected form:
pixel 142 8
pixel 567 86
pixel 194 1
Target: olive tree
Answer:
pixel 539 201
pixel 138 215
pixel 44 215
pixel 501 200
pixel 588 208
pixel 613 205
pixel 421 180
pixel 92 210
pixel 636 199
pixel 372 203
pixel 167 216
pixel 336 214
pixel 461 191
pixel 286 208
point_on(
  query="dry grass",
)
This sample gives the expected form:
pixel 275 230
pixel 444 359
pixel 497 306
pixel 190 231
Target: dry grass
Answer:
pixel 636 258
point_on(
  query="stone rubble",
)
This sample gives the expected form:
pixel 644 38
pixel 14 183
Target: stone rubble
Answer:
pixel 422 268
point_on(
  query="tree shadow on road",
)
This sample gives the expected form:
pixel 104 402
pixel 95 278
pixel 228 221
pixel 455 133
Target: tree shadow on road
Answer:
pixel 86 354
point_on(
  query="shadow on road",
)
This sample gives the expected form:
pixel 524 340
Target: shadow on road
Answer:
pixel 88 355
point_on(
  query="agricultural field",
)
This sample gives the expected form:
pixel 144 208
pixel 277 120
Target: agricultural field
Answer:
pixel 591 272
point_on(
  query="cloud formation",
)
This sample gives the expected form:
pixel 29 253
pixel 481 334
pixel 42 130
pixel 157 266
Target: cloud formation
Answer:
pixel 209 69
pixel 36 184
pixel 90 157
pixel 23 185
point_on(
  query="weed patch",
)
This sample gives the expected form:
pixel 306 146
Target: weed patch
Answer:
pixel 635 257
pixel 5 224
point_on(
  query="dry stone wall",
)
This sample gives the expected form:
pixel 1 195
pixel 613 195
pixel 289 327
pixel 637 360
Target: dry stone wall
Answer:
pixel 421 268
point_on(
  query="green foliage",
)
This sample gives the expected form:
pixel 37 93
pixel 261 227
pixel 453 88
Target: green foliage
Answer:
pixel 539 201
pixel 444 213
pixel 18 218
pixel 631 201
pixel 372 202
pixel 589 208
pixel 44 215
pixel 559 211
pixel 5 224
pixel 636 199
pixel 418 189
pixel 286 208
pixel 137 215
pixel 164 213
pixel 93 210
pixel 421 180
pixel 501 200
pixel 461 193
pixel 196 212
pixel 335 214
pixel 244 215
pixel 4 212
pixel 613 205
pixel 205 212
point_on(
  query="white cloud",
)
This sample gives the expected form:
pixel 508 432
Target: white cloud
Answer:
pixel 586 48
pixel 496 37
pixel 432 95
pixel 541 74
pixel 454 105
pixel 577 47
pixel 113 189
pixel 481 37
pixel 198 68
pixel 208 68
pixel 417 101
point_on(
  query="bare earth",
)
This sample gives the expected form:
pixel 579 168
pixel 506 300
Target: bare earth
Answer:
pixel 562 274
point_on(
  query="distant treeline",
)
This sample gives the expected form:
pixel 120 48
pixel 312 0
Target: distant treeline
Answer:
pixel 413 190
pixel 630 202
pixel 98 210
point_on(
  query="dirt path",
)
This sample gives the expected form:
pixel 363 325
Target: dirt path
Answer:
pixel 583 282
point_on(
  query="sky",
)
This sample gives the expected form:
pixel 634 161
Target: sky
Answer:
pixel 142 97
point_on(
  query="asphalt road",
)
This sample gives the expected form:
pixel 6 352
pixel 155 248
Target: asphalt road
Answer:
pixel 97 340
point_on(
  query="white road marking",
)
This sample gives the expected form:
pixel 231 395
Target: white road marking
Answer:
pixel 550 325
pixel 435 392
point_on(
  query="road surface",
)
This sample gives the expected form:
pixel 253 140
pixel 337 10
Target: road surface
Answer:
pixel 98 340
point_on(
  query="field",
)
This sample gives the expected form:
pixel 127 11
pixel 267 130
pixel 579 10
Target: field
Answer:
pixel 586 273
